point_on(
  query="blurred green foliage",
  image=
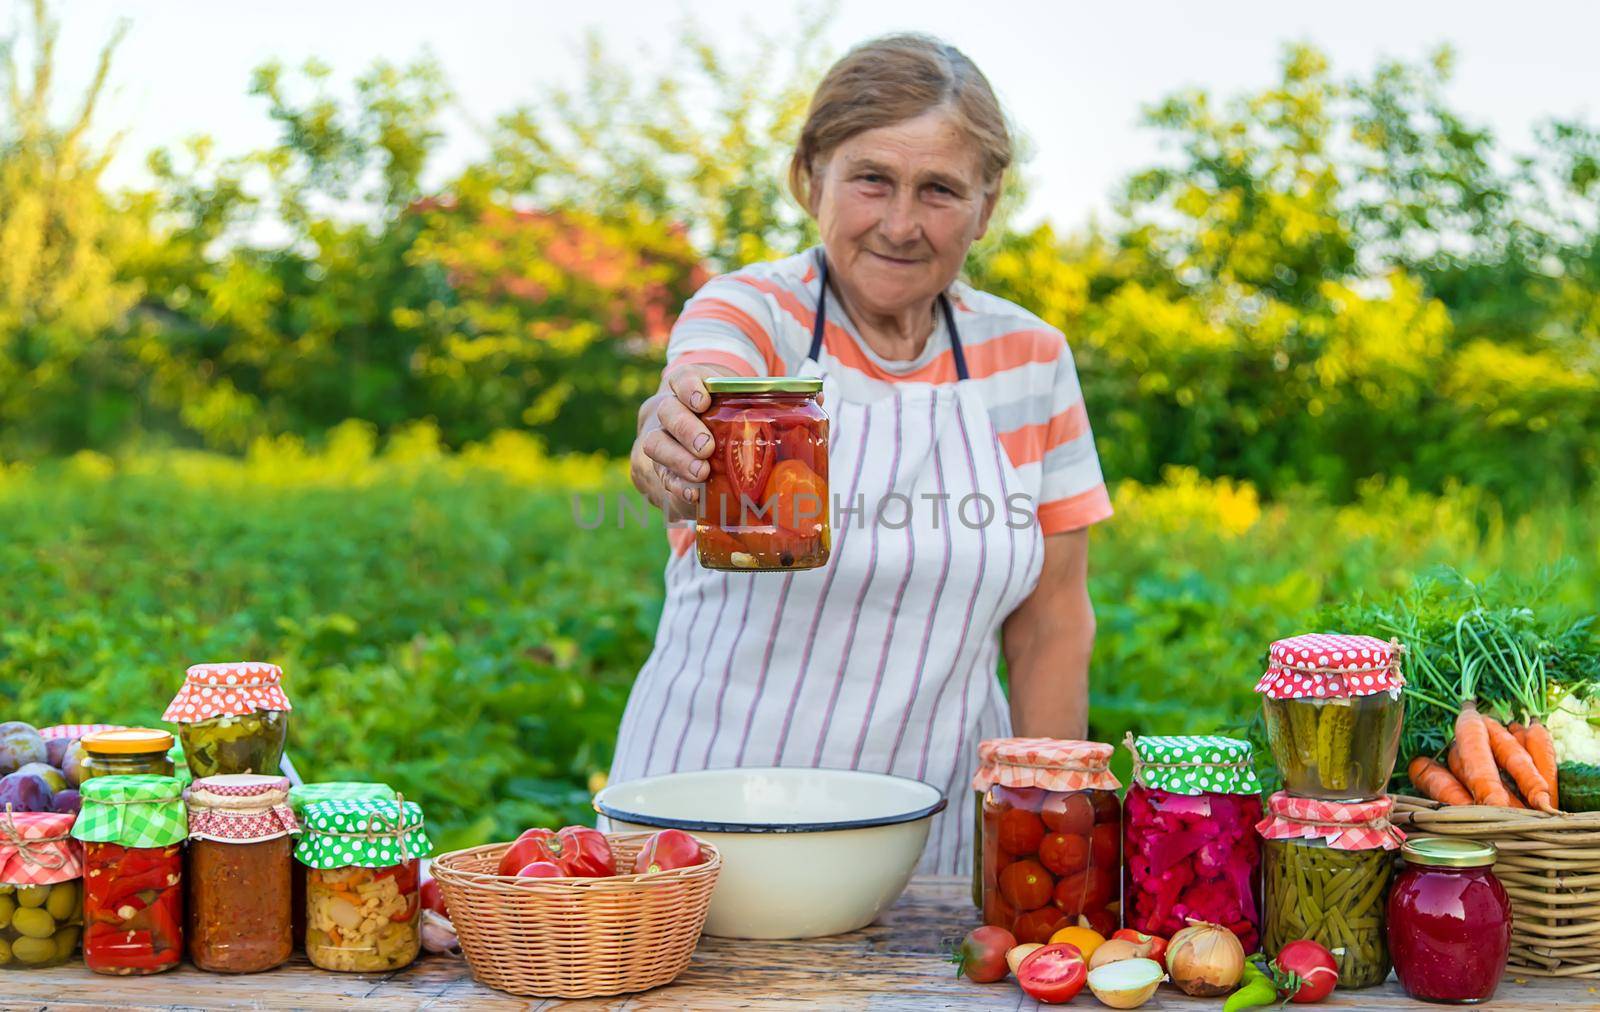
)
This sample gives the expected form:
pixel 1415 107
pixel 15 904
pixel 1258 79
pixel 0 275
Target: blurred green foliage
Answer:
pixel 1320 281
pixel 446 625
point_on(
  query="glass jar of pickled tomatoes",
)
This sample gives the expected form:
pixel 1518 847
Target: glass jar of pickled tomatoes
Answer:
pixel 765 504
pixel 1052 838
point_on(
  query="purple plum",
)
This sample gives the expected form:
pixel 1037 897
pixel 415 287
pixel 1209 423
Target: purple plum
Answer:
pixel 24 792
pixel 53 778
pixel 20 745
pixel 56 750
pixel 66 801
pixel 72 764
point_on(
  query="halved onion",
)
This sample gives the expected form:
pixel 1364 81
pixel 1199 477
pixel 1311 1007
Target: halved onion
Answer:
pixel 1127 983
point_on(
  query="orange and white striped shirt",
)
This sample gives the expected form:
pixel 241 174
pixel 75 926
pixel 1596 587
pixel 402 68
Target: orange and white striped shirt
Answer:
pixel 758 321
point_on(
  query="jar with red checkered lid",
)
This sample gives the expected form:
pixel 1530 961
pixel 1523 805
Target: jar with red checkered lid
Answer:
pixel 1333 711
pixel 232 718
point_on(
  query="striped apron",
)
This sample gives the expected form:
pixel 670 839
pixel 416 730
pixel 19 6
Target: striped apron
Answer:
pixel 885 658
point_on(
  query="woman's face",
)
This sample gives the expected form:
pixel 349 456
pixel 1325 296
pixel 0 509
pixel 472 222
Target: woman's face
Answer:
pixel 898 207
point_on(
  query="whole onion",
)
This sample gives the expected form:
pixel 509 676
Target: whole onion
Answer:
pixel 1205 959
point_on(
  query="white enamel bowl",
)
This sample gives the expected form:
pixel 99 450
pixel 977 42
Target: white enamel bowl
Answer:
pixel 805 852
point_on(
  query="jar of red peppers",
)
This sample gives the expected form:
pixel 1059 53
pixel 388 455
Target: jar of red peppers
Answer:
pixel 1190 836
pixel 132 828
pixel 1327 867
pixel 765 503
pixel 1052 837
pixel 1449 921
pixel 41 899
pixel 240 840
pixel 1333 709
pixel 363 905
pixel 302 795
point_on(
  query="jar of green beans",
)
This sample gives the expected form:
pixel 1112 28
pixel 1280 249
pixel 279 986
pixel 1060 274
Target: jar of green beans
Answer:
pixel 1327 867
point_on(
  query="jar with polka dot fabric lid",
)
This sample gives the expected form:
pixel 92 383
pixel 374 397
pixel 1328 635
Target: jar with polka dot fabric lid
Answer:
pixel 232 718
pixel 1190 849
pixel 363 901
pixel 1333 709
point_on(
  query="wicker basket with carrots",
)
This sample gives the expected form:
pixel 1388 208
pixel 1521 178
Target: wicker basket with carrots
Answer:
pixel 1499 784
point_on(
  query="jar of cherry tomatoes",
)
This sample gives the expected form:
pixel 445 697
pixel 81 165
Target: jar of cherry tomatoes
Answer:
pixel 133 828
pixel 1052 832
pixel 1449 921
pixel 765 503
pixel 1190 843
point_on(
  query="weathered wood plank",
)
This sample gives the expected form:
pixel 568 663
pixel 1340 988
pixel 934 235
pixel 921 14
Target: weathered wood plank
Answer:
pixel 898 963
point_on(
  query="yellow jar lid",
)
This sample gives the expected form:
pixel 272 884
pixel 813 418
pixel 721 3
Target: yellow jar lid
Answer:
pixel 127 741
pixel 1447 852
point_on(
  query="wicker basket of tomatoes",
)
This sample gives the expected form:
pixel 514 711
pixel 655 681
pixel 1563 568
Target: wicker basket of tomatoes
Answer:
pixel 566 915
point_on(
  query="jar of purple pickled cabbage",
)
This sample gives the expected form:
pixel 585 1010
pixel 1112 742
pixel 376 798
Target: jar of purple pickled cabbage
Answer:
pixel 1190 848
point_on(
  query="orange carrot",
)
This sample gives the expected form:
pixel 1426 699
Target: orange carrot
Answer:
pixel 1452 759
pixel 1436 782
pixel 1542 747
pixel 1518 732
pixel 1515 760
pixel 1477 759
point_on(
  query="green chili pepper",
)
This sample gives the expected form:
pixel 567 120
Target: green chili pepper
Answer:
pixel 1255 992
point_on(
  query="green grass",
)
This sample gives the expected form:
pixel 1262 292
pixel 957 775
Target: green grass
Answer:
pixel 445 626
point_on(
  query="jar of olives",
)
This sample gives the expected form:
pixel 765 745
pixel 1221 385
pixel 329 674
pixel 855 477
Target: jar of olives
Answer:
pixel 233 718
pixel 41 889
pixel 126 751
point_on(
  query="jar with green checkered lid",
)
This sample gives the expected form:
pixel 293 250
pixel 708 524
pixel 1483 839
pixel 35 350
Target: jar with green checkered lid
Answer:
pixel 302 795
pixel 363 902
pixel 1190 844
pixel 133 828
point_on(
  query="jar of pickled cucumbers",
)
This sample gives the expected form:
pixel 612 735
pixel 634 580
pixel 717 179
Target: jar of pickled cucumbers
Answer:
pixel 1052 838
pixel 765 503
pixel 363 900
pixel 1327 867
pixel 233 718
pixel 1333 713
pixel 41 889
pixel 126 751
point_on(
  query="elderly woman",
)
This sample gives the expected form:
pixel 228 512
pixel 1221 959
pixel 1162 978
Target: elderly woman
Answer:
pixel 885 658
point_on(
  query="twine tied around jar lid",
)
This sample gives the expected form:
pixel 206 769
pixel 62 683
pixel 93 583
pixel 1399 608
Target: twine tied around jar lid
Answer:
pixel 31 849
pixel 398 834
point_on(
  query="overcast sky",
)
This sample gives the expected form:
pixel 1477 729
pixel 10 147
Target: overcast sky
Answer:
pixel 1073 75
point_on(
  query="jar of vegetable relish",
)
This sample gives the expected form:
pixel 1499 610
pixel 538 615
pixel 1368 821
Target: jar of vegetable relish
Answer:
pixel 41 889
pixel 233 718
pixel 240 828
pixel 1333 712
pixel 363 880
pixel 1052 837
pixel 126 751
pixel 1449 921
pixel 1327 869
pixel 1190 844
pixel 765 503
pixel 302 795
pixel 133 829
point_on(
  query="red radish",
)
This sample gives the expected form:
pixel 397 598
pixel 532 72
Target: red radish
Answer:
pixel 1305 972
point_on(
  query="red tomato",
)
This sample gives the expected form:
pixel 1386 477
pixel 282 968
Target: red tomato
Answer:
pixel 1039 925
pixel 1072 814
pixel 1027 798
pixel 1101 920
pixel 666 850
pixel 541 869
pixel 1064 854
pixel 1053 974
pixel 997 911
pixel 982 955
pixel 1020 832
pixel 798 442
pixel 1085 891
pixel 798 500
pixel 748 452
pixel 1106 845
pixel 1150 946
pixel 579 851
pixel 433 897
pixel 1106 806
pixel 1314 967
pixel 1026 885
pixel 526 848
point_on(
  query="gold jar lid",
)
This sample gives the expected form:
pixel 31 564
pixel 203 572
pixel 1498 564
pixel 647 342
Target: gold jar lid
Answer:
pixel 127 741
pixel 763 384
pixel 1447 852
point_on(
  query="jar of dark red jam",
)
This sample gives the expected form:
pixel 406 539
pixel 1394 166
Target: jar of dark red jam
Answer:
pixel 765 505
pixel 1449 921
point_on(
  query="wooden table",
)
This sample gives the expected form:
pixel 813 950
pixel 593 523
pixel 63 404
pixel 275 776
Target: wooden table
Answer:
pixel 896 964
